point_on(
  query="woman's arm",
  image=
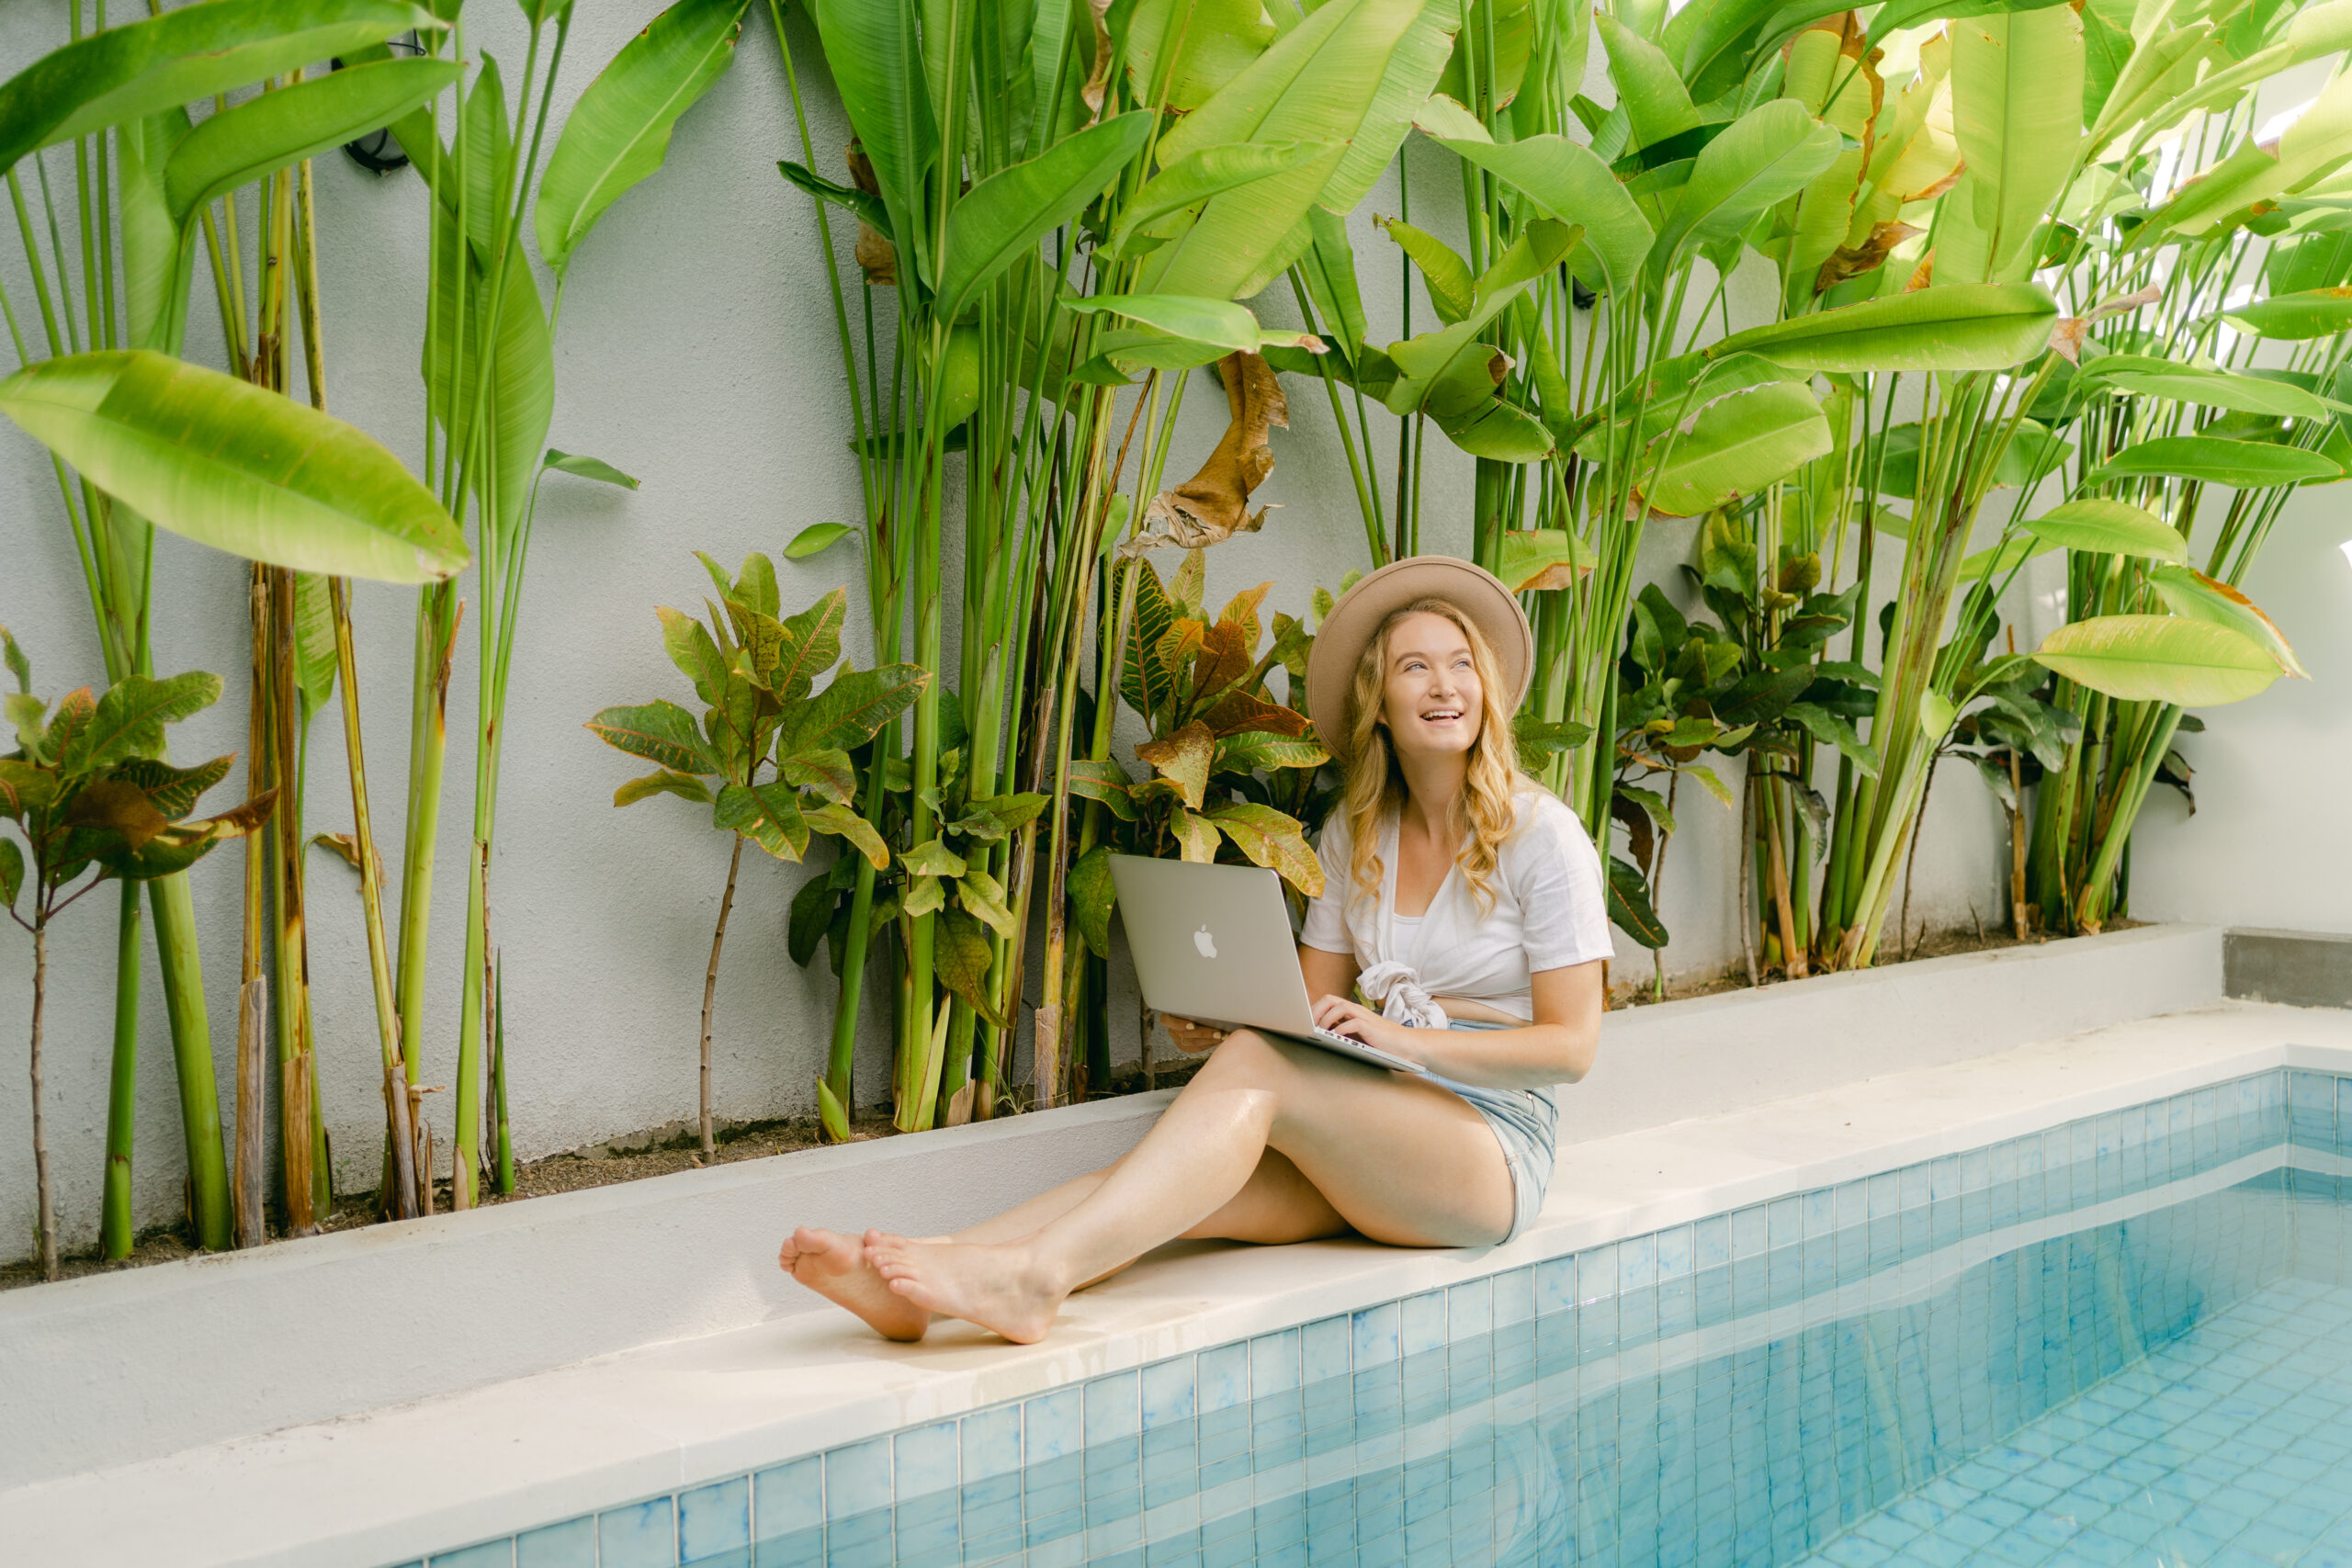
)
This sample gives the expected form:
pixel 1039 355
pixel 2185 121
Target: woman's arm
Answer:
pixel 1557 1048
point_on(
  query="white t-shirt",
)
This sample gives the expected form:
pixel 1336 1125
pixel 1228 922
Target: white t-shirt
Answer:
pixel 1550 912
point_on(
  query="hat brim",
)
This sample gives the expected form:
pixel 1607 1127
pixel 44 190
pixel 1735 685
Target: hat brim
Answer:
pixel 1340 642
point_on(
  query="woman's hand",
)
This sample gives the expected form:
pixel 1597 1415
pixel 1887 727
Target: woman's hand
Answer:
pixel 1357 1022
pixel 1189 1037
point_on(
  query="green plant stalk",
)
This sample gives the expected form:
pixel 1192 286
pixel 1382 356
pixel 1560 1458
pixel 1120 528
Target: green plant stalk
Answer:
pixel 495 629
pixel 114 1230
pixel 404 1200
pixel 120 611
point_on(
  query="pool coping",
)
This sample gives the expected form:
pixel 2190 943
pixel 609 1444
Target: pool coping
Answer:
pixel 139 1364
pixel 567 1442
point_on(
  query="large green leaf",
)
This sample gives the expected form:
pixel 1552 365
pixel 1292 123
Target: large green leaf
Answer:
pixel 1227 327
pixel 2016 99
pixel 2110 527
pixel 1424 359
pixel 2309 313
pixel 1007 212
pixel 660 732
pixel 236 466
pixel 619 130
pixel 265 134
pixel 2190 592
pixel 768 815
pixel 1565 181
pixel 1649 89
pixel 1352 74
pixel 1191 180
pixel 878 69
pixel 1764 157
pixel 173 60
pixel 1273 840
pixel 130 718
pixel 1976 326
pixel 1093 896
pixel 2215 459
pixel 1629 904
pixel 1738 445
pixel 849 711
pixel 2316 143
pixel 2150 376
pixel 2162 659
pixel 150 239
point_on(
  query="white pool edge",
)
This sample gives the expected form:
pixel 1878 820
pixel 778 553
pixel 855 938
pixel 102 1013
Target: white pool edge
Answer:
pixel 644 1448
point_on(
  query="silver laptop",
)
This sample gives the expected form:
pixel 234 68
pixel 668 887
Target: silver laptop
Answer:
pixel 1213 944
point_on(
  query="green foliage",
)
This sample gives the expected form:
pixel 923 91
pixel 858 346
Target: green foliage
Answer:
pixel 88 795
pixel 771 754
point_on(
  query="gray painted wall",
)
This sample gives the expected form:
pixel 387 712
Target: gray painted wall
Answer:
pixel 696 350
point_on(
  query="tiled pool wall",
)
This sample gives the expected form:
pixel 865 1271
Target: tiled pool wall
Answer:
pixel 1738 1390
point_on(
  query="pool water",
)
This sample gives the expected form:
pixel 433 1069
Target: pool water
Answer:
pixel 2127 1339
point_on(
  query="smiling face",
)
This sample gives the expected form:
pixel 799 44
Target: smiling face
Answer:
pixel 1431 699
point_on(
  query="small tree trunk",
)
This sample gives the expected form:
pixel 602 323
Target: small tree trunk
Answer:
pixel 48 1213
pixel 710 995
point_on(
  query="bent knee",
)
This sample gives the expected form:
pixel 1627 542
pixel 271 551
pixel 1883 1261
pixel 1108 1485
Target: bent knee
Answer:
pixel 1246 1054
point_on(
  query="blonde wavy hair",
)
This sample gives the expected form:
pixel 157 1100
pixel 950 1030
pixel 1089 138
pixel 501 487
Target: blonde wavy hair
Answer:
pixel 1486 810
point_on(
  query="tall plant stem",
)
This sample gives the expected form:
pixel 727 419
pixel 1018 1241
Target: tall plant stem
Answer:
pixel 120 610
pixel 46 1211
pixel 402 1199
pixel 710 994
pixel 115 1234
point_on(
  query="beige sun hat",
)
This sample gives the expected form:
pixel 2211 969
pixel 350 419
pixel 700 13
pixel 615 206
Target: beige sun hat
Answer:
pixel 1356 618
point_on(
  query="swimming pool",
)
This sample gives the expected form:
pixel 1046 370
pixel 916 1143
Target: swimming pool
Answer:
pixel 2126 1338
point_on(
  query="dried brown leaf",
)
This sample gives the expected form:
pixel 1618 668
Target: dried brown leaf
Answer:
pixel 1213 504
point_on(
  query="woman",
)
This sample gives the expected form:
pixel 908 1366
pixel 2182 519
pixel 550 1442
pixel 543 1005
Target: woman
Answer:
pixel 1461 899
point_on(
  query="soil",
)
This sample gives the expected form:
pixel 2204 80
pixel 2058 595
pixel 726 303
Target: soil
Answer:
pixel 659 1151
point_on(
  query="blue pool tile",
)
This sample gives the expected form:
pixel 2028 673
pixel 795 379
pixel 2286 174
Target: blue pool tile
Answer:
pixel 1637 1262
pixel 643 1535
pixel 1273 1363
pixel 991 1441
pixel 714 1521
pixel 1595 1273
pixel 1374 1332
pixel 1514 1297
pixel 857 1478
pixel 789 1498
pixel 1114 1409
pixel 1469 1310
pixel 1167 1394
pixel 488 1554
pixel 1053 1424
pixel 1224 1376
pixel 923 1461
pixel 1420 1322
pixel 1323 1349
pixel 572 1544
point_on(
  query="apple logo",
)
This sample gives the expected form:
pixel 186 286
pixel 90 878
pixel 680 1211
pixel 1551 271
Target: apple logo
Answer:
pixel 1205 942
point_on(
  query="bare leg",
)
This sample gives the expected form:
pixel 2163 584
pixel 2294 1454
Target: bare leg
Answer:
pixel 1277 1204
pixel 1403 1162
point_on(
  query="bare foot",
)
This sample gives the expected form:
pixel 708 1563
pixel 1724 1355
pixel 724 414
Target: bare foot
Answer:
pixel 1001 1288
pixel 840 1270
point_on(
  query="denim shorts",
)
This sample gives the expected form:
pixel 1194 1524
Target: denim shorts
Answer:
pixel 1527 1123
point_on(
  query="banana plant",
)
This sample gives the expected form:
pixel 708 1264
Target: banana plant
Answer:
pixel 152 188
pixel 94 802
pixel 770 755
pixel 1059 200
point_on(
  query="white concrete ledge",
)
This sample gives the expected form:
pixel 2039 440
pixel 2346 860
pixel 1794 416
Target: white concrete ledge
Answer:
pixel 151 1361
pixel 438 1473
